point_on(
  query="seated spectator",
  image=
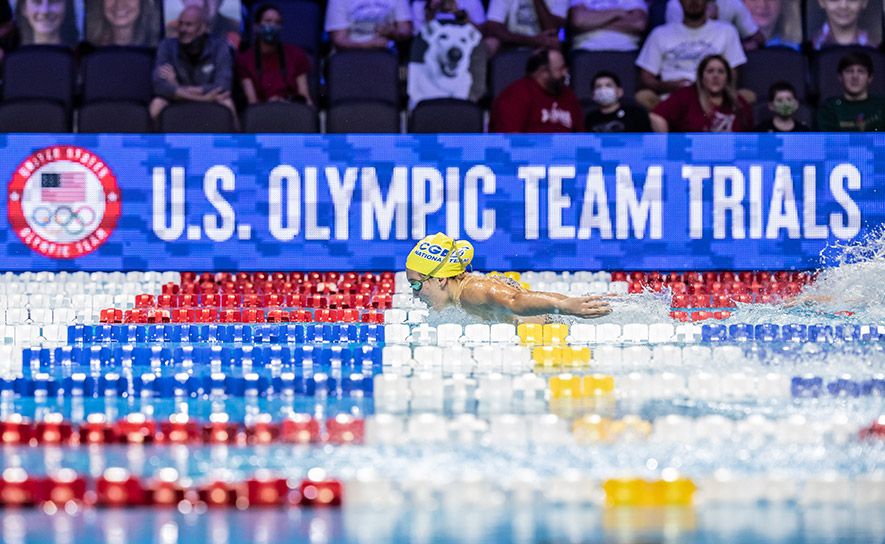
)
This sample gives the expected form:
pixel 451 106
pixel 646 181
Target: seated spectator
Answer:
pixel 779 21
pixel 710 105
pixel 49 22
pixel 856 110
pixel 123 22
pixel 539 102
pixel 194 66
pixel 669 59
pixel 728 11
pixel 525 23
pixel 607 25
pixel 783 102
pixel 219 25
pixel 447 60
pixel 612 116
pixel 368 24
pixel 462 11
pixel 271 71
pixel 842 26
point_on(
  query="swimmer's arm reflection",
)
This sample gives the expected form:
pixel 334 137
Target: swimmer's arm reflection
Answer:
pixel 488 294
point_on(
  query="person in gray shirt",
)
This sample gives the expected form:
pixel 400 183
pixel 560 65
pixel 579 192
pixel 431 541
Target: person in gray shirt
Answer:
pixel 194 66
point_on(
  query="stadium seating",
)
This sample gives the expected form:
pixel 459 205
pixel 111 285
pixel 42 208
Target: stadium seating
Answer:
pixel 506 67
pixel 446 115
pixel 770 65
pixel 363 75
pixel 280 117
pixel 45 72
pixel 114 116
pixel 363 117
pixel 35 115
pixel 185 117
pixel 118 73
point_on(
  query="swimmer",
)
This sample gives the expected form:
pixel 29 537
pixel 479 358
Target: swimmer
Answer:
pixel 437 272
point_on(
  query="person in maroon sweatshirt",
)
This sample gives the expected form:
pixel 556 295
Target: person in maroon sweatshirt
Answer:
pixel 539 102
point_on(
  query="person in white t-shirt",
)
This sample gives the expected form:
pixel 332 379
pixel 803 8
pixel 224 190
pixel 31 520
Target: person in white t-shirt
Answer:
pixel 368 24
pixel 471 10
pixel 607 25
pixel 670 56
pixel 525 23
pixel 729 11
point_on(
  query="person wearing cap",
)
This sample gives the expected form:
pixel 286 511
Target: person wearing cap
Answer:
pixel 437 272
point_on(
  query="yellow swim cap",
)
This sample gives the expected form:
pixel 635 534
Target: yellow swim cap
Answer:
pixel 440 256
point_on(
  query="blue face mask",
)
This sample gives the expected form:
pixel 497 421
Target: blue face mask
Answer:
pixel 269 33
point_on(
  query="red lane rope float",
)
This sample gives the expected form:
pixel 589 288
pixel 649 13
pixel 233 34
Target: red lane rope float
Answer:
pixel 118 487
pixel 181 429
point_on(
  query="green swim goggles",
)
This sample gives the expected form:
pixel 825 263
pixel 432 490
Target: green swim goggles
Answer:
pixel 416 285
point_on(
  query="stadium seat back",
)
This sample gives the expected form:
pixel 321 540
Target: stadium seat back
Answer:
pixel 280 117
pixel 34 115
pixel 126 117
pixel 827 62
pixel 363 117
pixel 506 67
pixel 446 115
pixel 585 64
pixel 770 65
pixel 118 73
pixel 38 71
pixel 363 75
pixel 185 117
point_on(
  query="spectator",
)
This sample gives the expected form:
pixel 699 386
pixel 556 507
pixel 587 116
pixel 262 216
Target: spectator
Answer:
pixel 50 22
pixel 778 20
pixel 783 102
pixel 728 11
pixel 710 105
pixel 219 25
pixel 539 102
pixel 462 11
pixel 612 116
pixel 192 67
pixel 856 110
pixel 271 71
pixel 842 26
pixel 123 22
pixel 669 59
pixel 525 23
pixel 368 24
pixel 613 25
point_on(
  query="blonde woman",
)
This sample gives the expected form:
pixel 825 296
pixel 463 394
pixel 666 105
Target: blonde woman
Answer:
pixel 711 104
pixel 123 22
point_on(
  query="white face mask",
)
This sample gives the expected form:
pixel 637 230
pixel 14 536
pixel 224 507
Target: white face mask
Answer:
pixel 605 96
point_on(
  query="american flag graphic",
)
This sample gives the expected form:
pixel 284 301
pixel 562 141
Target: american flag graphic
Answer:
pixel 63 187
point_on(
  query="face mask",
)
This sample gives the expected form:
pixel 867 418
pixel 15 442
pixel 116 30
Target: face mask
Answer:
pixel 605 96
pixel 196 46
pixel 269 33
pixel 786 108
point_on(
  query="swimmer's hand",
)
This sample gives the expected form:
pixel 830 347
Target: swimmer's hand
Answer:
pixel 585 307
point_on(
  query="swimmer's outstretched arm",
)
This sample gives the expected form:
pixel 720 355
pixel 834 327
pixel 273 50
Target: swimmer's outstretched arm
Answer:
pixel 528 303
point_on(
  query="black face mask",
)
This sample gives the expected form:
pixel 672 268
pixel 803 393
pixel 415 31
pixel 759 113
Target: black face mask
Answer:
pixel 196 46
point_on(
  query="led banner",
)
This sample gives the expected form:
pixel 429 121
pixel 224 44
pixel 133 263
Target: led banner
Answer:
pixel 359 202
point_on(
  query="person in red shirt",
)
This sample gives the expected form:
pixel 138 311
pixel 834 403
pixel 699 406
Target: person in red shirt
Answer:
pixel 539 102
pixel 271 70
pixel 710 105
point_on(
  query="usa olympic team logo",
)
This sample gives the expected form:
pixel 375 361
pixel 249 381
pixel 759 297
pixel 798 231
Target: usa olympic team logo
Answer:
pixel 64 202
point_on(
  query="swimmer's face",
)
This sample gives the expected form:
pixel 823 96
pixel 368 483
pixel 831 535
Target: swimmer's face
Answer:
pixel 432 291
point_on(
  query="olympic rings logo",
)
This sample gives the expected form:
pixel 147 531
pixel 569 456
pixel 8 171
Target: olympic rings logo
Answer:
pixel 63 219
